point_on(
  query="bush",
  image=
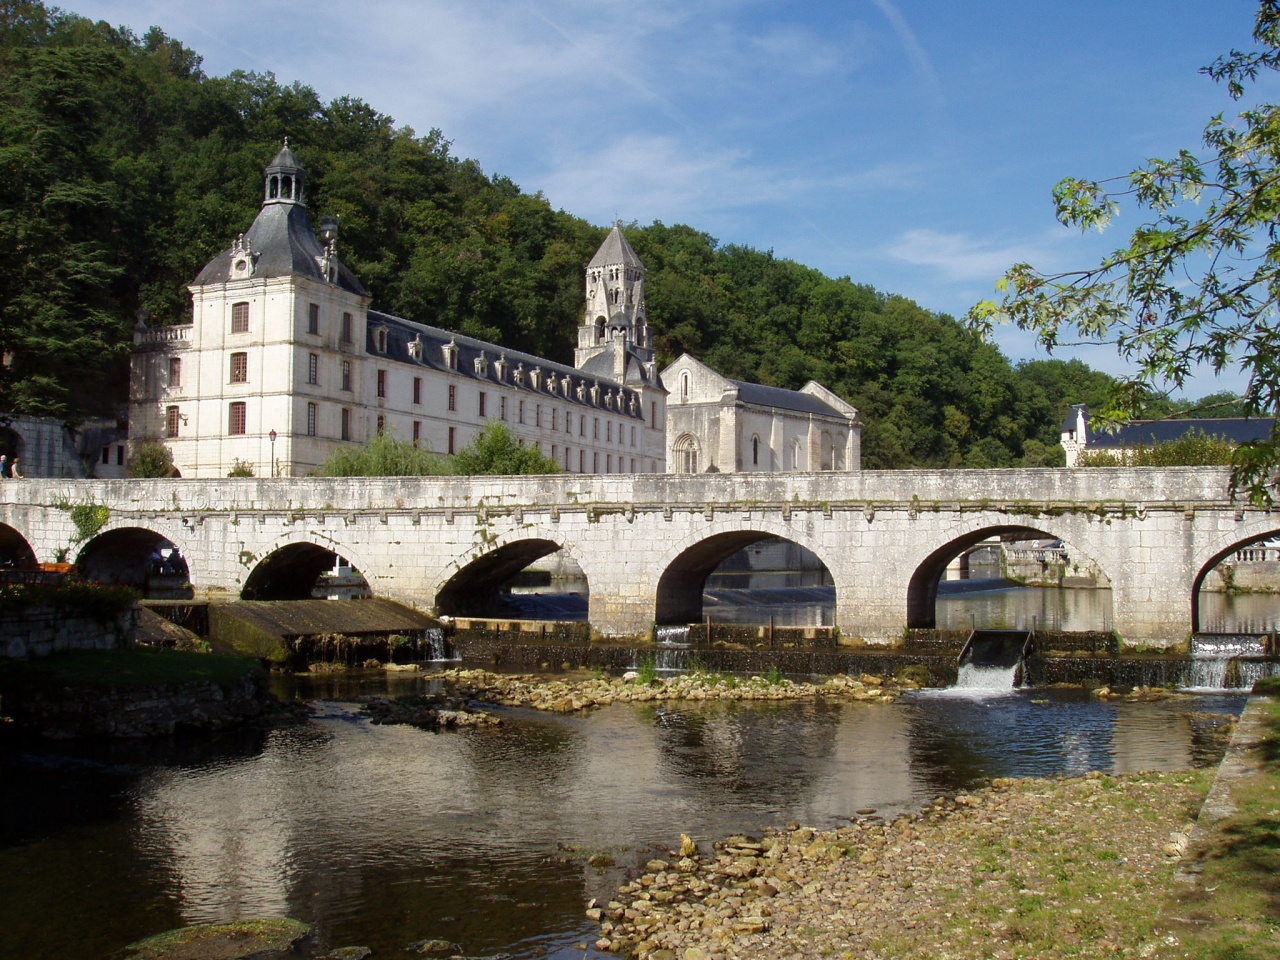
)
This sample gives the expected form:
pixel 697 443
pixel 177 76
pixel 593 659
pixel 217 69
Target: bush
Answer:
pixel 151 460
pixel 384 456
pixel 496 451
pixel 240 468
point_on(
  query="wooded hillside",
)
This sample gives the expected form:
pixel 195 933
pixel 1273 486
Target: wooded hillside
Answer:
pixel 124 169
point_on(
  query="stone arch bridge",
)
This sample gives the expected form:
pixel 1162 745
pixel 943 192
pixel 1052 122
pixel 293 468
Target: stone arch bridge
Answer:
pixel 647 543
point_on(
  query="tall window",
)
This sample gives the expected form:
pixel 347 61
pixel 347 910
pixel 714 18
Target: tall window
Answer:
pixel 520 411
pixel 755 451
pixel 417 389
pixel 382 383
pixel 236 419
pixel 313 318
pixel 171 421
pixel 502 408
pixel 453 397
pixel 312 416
pixel 382 425
pixel 417 431
pixel 239 368
pixel 346 423
pixel 686 454
pixel 346 328
pixel 346 375
pixel 482 403
pixel 240 318
pixel 313 368
pixel 175 372
pixel 382 339
pixel 453 439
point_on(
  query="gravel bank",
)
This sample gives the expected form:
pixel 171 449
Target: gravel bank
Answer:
pixel 1047 869
pixel 570 695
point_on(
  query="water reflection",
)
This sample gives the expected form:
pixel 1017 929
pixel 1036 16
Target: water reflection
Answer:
pixel 384 835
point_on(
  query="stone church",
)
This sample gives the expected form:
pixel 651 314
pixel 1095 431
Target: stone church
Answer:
pixel 284 361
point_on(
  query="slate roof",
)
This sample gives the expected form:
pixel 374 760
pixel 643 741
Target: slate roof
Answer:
pixel 615 249
pixel 401 333
pixel 760 395
pixel 284 243
pixel 1149 433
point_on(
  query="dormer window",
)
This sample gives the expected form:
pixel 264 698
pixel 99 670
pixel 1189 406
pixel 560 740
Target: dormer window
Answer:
pixel 535 378
pixel 595 394
pixel 565 384
pixel 551 383
pixel 500 367
pixel 416 347
pixel 380 338
pixel 581 392
pixel 241 259
pixel 450 352
pixel 518 376
pixel 482 365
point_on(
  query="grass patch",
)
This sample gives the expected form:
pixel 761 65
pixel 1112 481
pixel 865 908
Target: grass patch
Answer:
pixel 1233 913
pixel 124 668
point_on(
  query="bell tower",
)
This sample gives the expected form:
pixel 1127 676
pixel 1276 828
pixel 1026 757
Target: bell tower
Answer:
pixel 615 310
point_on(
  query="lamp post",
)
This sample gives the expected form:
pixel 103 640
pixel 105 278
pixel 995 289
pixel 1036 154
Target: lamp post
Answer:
pixel 272 435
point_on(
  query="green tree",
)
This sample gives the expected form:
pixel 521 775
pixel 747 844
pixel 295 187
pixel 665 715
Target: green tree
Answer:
pixel 151 461
pixel 384 456
pixel 496 450
pixel 1213 222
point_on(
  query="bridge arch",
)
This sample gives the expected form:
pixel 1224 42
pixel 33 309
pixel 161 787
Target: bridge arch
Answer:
pixel 15 550
pixel 137 556
pixel 472 585
pixel 922 588
pixel 680 586
pixel 1220 551
pixel 291 565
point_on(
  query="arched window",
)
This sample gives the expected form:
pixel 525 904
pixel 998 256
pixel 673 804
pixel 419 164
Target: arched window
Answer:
pixel 686 454
pixel 684 386
pixel 755 451
pixel 828 451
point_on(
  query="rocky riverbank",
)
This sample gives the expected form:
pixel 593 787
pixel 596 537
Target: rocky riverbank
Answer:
pixel 572 694
pixel 1074 867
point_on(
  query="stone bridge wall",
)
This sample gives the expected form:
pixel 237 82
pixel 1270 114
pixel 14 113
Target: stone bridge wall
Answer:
pixel 644 541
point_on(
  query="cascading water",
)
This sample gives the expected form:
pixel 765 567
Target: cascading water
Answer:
pixel 671 648
pixel 1226 661
pixel 991 659
pixel 436 647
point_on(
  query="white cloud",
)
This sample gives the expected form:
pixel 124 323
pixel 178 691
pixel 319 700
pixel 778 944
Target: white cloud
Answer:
pixel 959 257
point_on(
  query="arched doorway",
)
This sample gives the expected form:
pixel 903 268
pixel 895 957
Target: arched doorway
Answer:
pixel 15 552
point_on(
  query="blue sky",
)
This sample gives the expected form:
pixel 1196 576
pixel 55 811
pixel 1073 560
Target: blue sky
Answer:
pixel 908 144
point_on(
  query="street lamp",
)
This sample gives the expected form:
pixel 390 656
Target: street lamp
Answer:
pixel 272 435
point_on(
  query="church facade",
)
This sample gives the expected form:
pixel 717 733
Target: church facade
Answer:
pixel 284 362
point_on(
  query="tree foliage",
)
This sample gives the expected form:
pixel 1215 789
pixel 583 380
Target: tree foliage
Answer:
pixel 151 461
pixel 1196 449
pixel 1197 284
pixel 124 169
pixel 495 450
pixel 384 456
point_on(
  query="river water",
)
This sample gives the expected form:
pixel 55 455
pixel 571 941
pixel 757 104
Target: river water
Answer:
pixel 387 835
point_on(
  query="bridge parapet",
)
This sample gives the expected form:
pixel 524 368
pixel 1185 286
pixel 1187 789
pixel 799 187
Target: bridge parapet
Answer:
pixel 885 536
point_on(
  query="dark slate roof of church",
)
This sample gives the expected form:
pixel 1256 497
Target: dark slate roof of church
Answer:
pixel 1151 432
pixel 615 249
pixel 402 332
pixel 760 395
pixel 284 243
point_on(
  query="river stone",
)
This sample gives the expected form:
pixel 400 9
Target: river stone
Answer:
pixel 264 938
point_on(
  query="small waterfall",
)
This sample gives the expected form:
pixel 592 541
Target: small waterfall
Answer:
pixel 991 659
pixel 1229 661
pixel 436 647
pixel 671 648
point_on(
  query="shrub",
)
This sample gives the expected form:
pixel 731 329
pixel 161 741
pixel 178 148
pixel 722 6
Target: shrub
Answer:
pixel 151 460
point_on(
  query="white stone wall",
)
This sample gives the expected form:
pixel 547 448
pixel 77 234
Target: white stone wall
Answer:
pixel 882 535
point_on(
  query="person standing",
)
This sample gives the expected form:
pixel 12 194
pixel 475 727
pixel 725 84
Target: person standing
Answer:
pixel 5 470
pixel 14 471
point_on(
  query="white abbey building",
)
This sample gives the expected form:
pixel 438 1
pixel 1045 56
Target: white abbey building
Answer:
pixel 284 361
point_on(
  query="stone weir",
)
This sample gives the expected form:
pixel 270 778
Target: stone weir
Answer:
pixel 299 632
